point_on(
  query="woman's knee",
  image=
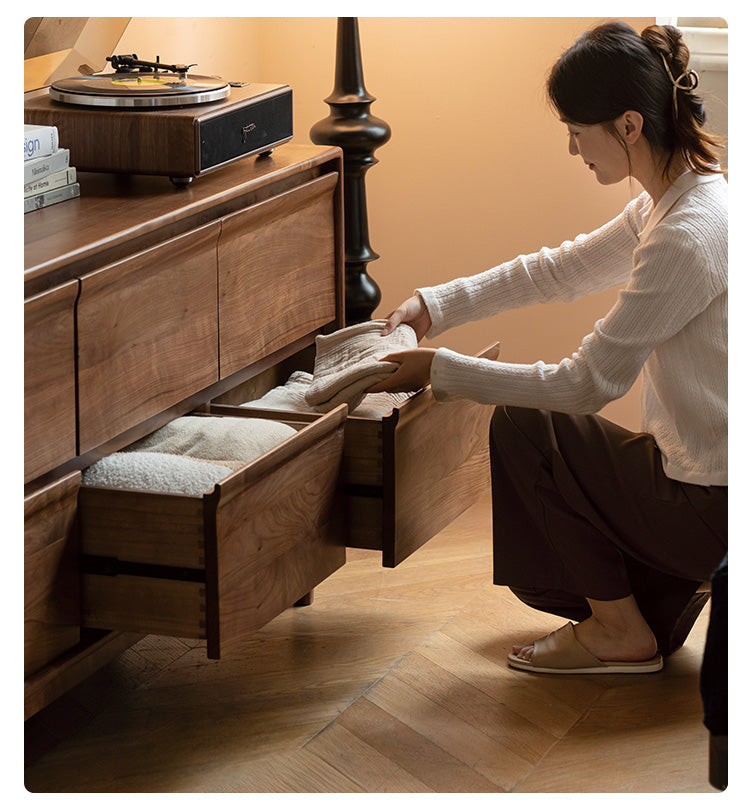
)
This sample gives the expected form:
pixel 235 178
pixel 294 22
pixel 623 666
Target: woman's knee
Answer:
pixel 512 419
pixel 513 427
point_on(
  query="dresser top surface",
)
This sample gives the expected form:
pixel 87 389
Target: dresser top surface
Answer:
pixel 114 209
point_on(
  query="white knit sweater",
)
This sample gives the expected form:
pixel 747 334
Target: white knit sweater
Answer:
pixel 670 319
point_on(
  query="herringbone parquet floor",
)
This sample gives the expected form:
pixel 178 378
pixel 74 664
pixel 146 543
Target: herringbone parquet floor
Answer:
pixel 394 680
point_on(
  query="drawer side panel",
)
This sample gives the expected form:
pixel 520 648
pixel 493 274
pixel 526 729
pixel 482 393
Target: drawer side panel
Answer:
pixel 278 538
pixel 436 478
pixel 141 527
pixel 144 605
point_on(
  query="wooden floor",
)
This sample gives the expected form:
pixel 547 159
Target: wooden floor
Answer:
pixel 394 680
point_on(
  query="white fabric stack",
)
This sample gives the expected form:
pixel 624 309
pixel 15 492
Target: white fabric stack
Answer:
pixel 291 396
pixel 189 455
pixel 162 473
pixel 223 439
pixel 348 362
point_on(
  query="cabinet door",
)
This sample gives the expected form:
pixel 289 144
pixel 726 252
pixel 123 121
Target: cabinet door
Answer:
pixel 147 334
pixel 277 272
pixel 49 380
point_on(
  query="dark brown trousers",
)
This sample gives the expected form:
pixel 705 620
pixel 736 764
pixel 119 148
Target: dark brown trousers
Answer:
pixel 582 509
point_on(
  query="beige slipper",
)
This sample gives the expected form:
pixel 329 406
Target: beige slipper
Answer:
pixel 561 653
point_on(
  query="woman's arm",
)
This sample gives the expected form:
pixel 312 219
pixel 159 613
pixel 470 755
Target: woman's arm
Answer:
pixel 588 264
pixel 669 286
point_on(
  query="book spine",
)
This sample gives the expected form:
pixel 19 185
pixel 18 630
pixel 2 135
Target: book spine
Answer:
pixel 34 169
pixel 51 182
pixel 39 140
pixel 51 197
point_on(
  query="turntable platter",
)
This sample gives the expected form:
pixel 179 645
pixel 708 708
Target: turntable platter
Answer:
pixel 128 89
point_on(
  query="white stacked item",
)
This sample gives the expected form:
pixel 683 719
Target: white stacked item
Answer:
pixel 351 360
pixel 291 397
pixel 48 177
pixel 189 455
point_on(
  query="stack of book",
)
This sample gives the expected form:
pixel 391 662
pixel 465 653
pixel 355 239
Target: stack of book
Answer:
pixel 48 177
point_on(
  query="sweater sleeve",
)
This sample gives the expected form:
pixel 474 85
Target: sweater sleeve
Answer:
pixel 585 265
pixel 670 284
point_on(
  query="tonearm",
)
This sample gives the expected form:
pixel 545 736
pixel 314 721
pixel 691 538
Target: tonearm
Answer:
pixel 131 63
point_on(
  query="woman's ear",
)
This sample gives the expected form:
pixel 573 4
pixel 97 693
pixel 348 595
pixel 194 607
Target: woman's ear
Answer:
pixel 630 126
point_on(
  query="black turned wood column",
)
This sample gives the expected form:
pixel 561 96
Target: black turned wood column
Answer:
pixel 358 133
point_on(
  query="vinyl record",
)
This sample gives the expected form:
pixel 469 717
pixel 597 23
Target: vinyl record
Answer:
pixel 139 89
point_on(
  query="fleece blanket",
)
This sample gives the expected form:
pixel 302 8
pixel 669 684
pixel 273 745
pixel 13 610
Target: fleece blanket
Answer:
pixel 147 471
pixel 223 439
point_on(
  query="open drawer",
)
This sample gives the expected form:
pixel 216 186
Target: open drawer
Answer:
pixel 221 565
pixel 407 475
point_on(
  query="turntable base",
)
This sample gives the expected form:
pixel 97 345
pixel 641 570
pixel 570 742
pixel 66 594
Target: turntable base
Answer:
pixel 180 142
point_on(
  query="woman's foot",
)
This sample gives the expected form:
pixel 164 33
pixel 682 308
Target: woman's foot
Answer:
pixel 616 631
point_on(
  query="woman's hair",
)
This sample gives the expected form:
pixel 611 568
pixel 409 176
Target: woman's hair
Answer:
pixel 611 69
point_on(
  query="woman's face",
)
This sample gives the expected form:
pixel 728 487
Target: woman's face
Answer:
pixel 600 150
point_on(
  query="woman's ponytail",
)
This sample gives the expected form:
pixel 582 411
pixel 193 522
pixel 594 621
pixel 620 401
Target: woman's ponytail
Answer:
pixel 697 147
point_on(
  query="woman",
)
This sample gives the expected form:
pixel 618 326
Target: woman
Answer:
pixel 610 528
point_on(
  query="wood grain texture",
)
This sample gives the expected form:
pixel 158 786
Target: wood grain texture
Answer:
pixel 143 346
pixel 149 345
pixel 117 216
pixel 51 603
pixel 440 467
pixel 49 379
pixel 279 537
pixel 135 604
pixel 277 272
pixel 265 535
pixel 437 458
pixel 162 141
pixel 72 667
pixel 394 680
pixel 142 527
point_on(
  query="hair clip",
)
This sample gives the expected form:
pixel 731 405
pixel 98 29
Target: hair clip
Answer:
pixel 692 82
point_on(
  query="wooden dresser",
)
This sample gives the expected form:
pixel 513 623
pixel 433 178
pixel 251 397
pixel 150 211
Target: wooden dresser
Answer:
pixel 144 303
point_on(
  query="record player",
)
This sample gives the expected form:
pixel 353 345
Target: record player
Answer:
pixel 160 119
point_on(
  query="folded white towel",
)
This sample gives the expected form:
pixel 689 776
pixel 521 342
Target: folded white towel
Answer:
pixel 291 396
pixel 215 438
pixel 152 471
pixel 347 362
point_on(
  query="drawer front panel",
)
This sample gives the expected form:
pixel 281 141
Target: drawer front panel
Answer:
pixel 277 273
pixel 51 600
pixel 277 538
pixel 411 474
pixel 147 334
pixel 49 380
pixel 434 479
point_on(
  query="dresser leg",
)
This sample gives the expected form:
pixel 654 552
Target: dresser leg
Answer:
pixel 306 600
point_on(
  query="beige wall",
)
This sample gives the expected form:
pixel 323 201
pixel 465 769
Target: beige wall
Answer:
pixel 477 168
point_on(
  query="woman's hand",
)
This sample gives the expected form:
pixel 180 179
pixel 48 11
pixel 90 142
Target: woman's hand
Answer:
pixel 413 372
pixel 414 312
